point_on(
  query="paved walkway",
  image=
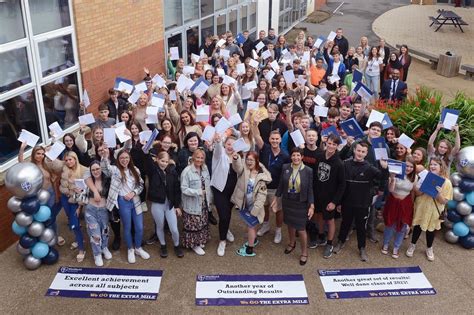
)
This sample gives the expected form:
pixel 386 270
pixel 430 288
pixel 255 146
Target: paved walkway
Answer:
pixel 410 25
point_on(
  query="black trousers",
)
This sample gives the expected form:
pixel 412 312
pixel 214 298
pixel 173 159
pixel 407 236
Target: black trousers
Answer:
pixel 224 210
pixel 360 215
pixel 416 235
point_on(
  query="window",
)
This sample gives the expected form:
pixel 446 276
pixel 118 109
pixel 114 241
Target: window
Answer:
pixel 252 15
pixel 243 18
pixel 191 10
pixel 56 54
pixel 176 41
pixel 231 2
pixel 49 15
pixel 221 24
pixel 207 7
pixel 173 14
pixel 207 28
pixel 11 21
pixel 233 21
pixel 220 4
pixel 14 69
pixel 192 41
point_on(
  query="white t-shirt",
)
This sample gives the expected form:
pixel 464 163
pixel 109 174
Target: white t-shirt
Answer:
pixel 373 66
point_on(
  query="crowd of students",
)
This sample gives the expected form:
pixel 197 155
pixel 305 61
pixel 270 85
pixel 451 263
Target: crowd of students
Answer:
pixel 306 186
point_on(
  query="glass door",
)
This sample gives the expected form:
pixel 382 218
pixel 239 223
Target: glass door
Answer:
pixel 192 42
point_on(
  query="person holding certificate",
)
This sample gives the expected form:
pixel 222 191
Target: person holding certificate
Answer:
pixel 444 149
pixel 428 209
pixel 296 192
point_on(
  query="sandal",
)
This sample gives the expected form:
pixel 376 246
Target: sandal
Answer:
pixel 61 241
pixel 80 257
pixel 289 248
pixel 303 262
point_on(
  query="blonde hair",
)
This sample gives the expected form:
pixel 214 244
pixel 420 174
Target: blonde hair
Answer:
pixel 76 171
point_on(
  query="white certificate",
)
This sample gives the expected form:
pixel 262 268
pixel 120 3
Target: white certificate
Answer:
pixel 195 58
pixel 182 83
pixel 120 132
pixel 374 116
pixel 289 76
pixel 222 125
pixel 381 153
pixel 240 68
pixel 86 119
pixel 145 135
pixel 319 100
pixel 188 70
pixel 173 96
pixel 56 130
pixel 56 149
pixel 228 80
pixel 124 87
pixel 109 137
pixel 30 138
pixel 157 100
pixel 395 168
pixel 259 46
pixel 318 43
pixel 240 145
pixel 334 78
pixel 174 51
pixel 252 105
pixel 220 72
pixel 406 141
pixel 134 97
pixel 158 80
pixel 251 85
pixel 321 111
pixel 332 35
pixel 85 99
pixel 450 120
pixel 306 56
pixel 266 54
pixel 253 63
pixel 202 113
pixel 235 119
pixel 152 113
pixel 275 66
pixel 301 80
pixel 220 42
pixel 80 183
pixel 270 74
pixel 208 133
pixel 141 87
pixel 297 137
pixel 200 89
pixel 224 53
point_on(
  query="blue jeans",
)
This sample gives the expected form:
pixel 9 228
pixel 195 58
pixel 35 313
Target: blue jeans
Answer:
pixel 97 220
pixel 390 231
pixel 55 208
pixel 73 220
pixel 373 83
pixel 127 214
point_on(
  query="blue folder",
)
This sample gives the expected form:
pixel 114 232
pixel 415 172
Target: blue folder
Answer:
pixel 448 110
pixel 356 76
pixel 403 165
pixel 352 128
pixel 386 122
pixel 330 130
pixel 240 39
pixel 430 183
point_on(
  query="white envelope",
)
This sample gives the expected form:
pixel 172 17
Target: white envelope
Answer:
pixel 374 116
pixel 406 141
pixel 145 135
pixel 450 120
pixel 275 66
pixel 86 119
pixel 229 80
pixel 109 137
pixel 85 99
pixel 124 86
pixel 381 154
pixel 235 119
pixel 240 68
pixel 56 149
pixel 202 113
pixel 251 85
pixel 318 43
pixel 220 72
pixel 266 54
pixel 174 51
pixel 332 35
pixel 222 125
pixel 188 70
pixel 220 42
pixel 56 130
pixel 321 111
pixel 240 145
pixel 157 101
pixel 195 58
pixel 80 183
pixel 120 132
pixel 289 76
pixel 152 112
pixel 259 46
pixel 270 74
pixel 208 133
pixel 134 97
pixel 297 137
pixel 158 80
pixel 252 105
pixel 253 63
pixel 224 53
pixel 319 100
pixel 141 87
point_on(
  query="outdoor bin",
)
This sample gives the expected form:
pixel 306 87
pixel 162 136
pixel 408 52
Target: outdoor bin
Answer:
pixel 448 66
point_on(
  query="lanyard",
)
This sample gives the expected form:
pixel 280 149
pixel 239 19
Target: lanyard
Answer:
pixel 293 178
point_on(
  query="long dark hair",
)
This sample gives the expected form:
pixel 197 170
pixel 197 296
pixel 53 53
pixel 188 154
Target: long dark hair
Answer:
pixel 131 167
pixel 104 179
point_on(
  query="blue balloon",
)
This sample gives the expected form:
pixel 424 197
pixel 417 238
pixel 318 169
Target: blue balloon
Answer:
pixel 466 185
pixel 27 241
pixel 18 229
pixel 460 229
pixel 40 250
pixel 467 241
pixel 454 216
pixel 30 205
pixel 470 198
pixel 452 204
pixel 43 214
pixel 52 257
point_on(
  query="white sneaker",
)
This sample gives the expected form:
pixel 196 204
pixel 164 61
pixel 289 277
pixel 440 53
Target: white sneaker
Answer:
pixel 264 229
pixel 98 261
pixel 107 253
pixel 198 250
pixel 141 252
pixel 221 248
pixel 230 236
pixel 411 250
pixel 277 239
pixel 131 256
pixel 430 254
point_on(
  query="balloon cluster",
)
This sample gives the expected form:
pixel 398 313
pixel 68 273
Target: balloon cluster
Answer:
pixel 33 222
pixel 460 222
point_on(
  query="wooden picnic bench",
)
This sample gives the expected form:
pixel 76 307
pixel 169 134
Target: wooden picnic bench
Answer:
pixel 469 71
pixel 446 17
pixel 432 58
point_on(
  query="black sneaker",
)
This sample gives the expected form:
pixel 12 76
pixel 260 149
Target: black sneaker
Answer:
pixel 328 251
pixel 212 219
pixel 313 244
pixel 152 240
pixel 163 251
pixel 322 241
pixel 178 251
pixel 116 243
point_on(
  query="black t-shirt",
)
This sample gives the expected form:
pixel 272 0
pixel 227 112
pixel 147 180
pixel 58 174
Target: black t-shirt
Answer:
pixel 274 164
pixel 310 157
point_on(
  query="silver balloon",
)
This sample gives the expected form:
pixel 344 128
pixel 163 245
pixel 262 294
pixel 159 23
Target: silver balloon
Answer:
pixel 23 219
pixel 465 162
pixel 469 220
pixel 24 179
pixel 31 262
pixel 14 204
pixel 48 235
pixel 471 230
pixel 450 237
pixel 53 241
pixel 448 224
pixel 22 251
pixel 457 194
pixel 456 179
pixel 36 229
pixel 43 196
pixel 463 208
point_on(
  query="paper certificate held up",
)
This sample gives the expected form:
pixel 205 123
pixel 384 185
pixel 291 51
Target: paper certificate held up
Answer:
pixel 30 138
pixel 240 145
pixel 297 137
pixel 56 149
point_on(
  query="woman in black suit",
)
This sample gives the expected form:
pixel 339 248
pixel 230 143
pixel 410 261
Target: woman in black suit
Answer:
pixel 296 193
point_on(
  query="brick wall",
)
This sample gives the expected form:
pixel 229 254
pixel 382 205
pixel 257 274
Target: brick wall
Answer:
pixel 6 218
